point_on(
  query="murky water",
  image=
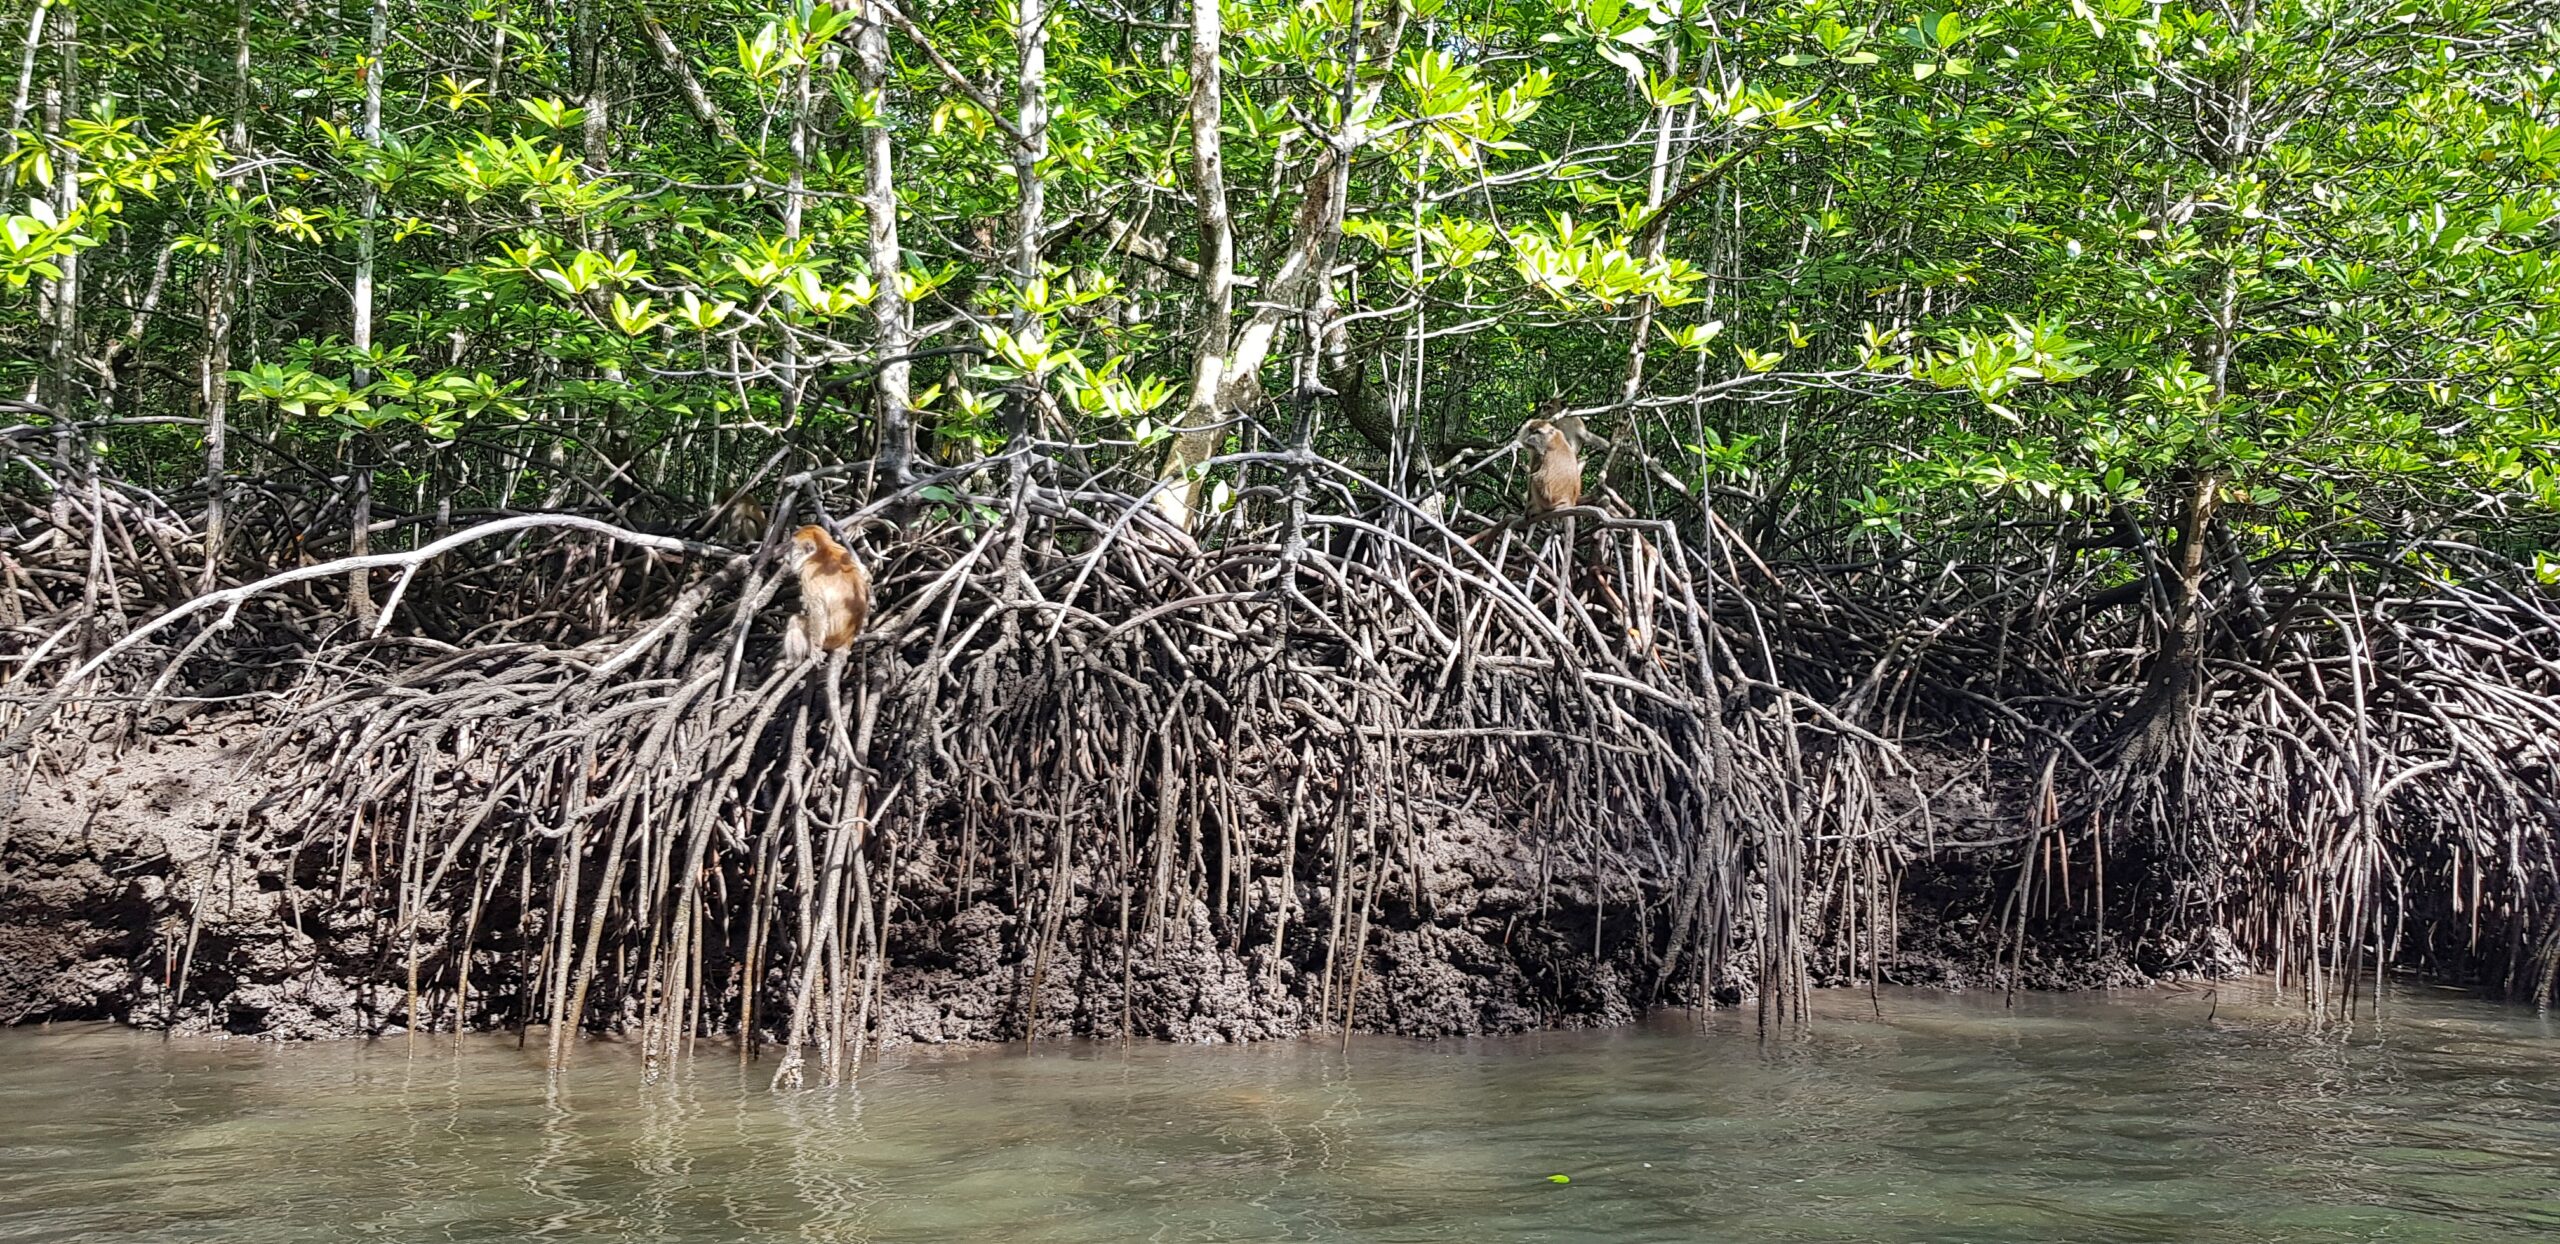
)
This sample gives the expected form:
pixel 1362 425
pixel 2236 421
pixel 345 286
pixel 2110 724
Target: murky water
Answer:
pixel 2160 1117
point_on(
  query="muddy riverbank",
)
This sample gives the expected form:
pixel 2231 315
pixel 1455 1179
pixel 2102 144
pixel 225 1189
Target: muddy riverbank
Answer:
pixel 120 875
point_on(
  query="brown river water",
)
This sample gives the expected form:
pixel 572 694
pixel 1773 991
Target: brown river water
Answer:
pixel 1911 1117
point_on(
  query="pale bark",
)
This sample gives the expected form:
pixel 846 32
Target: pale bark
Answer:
pixel 595 129
pixel 1202 425
pixel 1238 384
pixel 62 294
pixel 1030 213
pixel 20 102
pixel 1031 124
pixel 1650 245
pixel 369 208
pixel 672 59
pixel 223 303
pixel 795 195
pixel 892 319
pixel 1298 284
pixel 498 50
pixel 62 348
pixel 369 197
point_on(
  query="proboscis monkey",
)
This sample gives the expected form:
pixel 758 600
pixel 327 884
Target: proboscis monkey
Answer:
pixel 743 521
pixel 835 595
pixel 1555 479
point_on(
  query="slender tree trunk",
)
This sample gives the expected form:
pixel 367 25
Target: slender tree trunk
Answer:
pixel 19 103
pixel 62 348
pixel 498 49
pixel 595 132
pixel 369 195
pixel 369 208
pixel 596 101
pixel 1293 287
pixel 1030 213
pixel 794 206
pixel 1655 188
pixel 1200 431
pixel 2177 665
pixel 1287 295
pixel 1031 123
pixel 892 319
pixel 672 59
pixel 2161 730
pixel 223 306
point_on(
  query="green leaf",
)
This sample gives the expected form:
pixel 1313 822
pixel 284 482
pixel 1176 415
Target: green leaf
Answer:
pixel 553 113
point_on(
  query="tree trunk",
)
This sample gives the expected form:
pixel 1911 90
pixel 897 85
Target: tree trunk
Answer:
pixel 595 129
pixel 19 103
pixel 1031 143
pixel 1200 429
pixel 360 470
pixel 62 295
pixel 62 348
pixel 1297 284
pixel 891 317
pixel 672 59
pixel 1031 125
pixel 1651 252
pixel 223 307
pixel 795 196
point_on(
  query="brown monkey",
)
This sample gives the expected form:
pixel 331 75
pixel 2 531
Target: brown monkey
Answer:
pixel 1555 480
pixel 835 595
pixel 743 522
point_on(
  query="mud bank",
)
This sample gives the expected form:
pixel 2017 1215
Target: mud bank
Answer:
pixel 117 882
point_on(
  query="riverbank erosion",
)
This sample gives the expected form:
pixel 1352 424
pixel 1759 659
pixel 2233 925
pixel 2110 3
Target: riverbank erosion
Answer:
pixel 1093 773
pixel 123 878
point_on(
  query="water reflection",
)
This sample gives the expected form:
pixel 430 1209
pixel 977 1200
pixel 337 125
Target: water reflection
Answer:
pixel 2159 1117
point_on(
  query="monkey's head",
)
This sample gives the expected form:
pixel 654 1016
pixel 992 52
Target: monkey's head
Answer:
pixel 807 543
pixel 1542 435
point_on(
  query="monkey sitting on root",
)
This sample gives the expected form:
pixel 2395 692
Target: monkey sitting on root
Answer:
pixel 1555 470
pixel 1555 479
pixel 835 595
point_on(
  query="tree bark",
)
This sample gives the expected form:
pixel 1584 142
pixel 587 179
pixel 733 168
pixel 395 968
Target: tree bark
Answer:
pixel 62 295
pixel 595 129
pixel 1031 124
pixel 63 353
pixel 1650 245
pixel 1030 215
pixel 795 196
pixel 223 305
pixel 360 470
pixel 20 102
pixel 892 319
pixel 672 59
pixel 1296 285
pixel 1202 417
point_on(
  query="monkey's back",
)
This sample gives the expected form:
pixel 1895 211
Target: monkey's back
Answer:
pixel 1556 482
pixel 835 594
pixel 854 607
